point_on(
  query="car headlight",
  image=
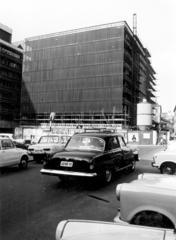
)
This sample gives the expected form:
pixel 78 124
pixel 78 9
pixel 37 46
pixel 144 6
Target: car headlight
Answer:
pixel 118 190
pixel 92 164
pixel 140 176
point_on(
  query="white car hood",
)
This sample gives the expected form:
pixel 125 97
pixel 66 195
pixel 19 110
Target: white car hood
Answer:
pixel 166 152
pixel 158 183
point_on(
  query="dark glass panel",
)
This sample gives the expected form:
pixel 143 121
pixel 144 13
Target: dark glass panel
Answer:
pixel 56 63
pixel 103 33
pixel 59 96
pixel 54 52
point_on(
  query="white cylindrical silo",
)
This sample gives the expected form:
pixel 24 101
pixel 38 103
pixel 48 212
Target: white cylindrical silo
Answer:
pixel 144 114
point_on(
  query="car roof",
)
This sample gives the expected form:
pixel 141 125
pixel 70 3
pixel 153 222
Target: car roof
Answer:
pixel 10 134
pixel 97 134
pixel 51 135
pixel 6 134
pixel 5 137
pixel 160 183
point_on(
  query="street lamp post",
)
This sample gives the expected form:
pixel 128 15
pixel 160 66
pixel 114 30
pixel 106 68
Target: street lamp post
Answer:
pixel 52 116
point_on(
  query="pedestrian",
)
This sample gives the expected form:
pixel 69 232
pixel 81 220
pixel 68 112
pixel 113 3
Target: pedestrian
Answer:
pixel 134 138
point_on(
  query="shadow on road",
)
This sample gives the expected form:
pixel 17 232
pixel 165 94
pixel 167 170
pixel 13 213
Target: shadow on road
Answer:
pixel 90 184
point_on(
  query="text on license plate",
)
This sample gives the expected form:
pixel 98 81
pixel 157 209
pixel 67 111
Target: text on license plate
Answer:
pixel 66 164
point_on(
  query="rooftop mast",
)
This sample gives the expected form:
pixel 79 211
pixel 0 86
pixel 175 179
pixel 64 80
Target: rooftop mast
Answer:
pixel 135 24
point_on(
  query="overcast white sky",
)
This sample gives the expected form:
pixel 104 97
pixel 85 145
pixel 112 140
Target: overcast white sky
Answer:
pixel 156 27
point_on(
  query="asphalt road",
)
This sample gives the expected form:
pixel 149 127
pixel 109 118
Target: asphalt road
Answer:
pixel 31 204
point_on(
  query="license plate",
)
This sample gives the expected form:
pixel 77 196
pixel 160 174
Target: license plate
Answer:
pixel 38 151
pixel 66 164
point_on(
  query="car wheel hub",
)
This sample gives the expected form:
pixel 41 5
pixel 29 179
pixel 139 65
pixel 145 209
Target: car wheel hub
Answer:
pixel 23 162
pixel 167 170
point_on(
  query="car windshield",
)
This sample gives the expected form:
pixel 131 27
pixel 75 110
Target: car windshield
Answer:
pixel 51 139
pixel 86 143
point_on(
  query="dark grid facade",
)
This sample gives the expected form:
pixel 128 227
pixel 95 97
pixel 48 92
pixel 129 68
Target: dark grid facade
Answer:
pixel 11 60
pixel 92 75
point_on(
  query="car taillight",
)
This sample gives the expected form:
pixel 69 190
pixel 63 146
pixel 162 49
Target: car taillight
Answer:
pixel 118 190
pixel 44 163
pixel 92 164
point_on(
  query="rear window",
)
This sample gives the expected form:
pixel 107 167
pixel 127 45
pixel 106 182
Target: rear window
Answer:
pixel 86 143
pixel 53 139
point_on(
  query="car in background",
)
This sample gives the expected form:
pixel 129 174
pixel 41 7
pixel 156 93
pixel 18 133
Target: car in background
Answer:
pixel 10 155
pixel 27 142
pixel 92 154
pixel 96 230
pixel 19 142
pixel 148 201
pixel 165 160
pixel 47 145
pixel 22 143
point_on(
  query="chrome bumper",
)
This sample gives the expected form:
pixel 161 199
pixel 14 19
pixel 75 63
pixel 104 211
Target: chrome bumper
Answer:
pixel 154 164
pixel 66 173
pixel 117 219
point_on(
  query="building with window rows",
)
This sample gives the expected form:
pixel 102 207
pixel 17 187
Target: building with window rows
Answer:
pixel 90 75
pixel 11 61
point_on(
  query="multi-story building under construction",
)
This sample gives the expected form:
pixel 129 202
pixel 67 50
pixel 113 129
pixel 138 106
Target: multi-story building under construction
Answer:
pixel 90 75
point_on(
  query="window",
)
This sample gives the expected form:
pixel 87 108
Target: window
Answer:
pixel 113 143
pixel 7 144
pixel 122 143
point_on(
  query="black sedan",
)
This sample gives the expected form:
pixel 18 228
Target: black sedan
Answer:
pixel 91 155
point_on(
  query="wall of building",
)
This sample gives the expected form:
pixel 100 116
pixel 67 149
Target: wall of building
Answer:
pixel 5 33
pixel 11 59
pixel 75 72
pixel 97 73
pixel 142 137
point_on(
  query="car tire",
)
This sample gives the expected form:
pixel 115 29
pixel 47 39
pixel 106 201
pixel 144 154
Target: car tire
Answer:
pixel 152 219
pixel 23 163
pixel 168 168
pixel 108 176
